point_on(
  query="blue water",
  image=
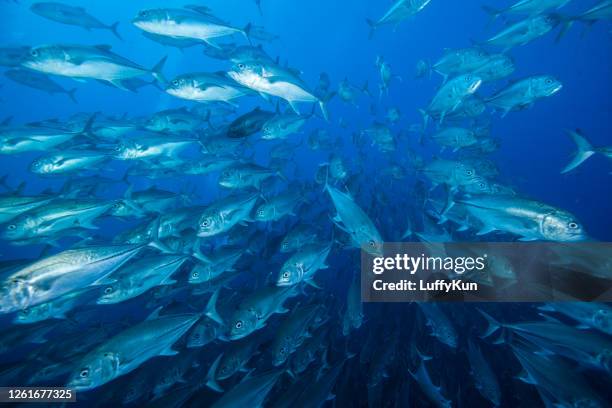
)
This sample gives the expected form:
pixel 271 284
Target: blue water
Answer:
pixel 332 36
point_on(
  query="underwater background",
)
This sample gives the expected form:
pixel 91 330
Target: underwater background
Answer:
pixel 334 351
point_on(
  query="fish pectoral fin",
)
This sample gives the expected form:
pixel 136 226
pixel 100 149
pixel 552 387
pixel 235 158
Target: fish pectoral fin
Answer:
pixel 168 352
pixel 119 84
pixel 107 280
pixel 486 230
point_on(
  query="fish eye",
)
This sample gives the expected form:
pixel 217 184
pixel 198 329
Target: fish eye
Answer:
pixel 469 172
pixel 195 274
pixel 143 13
pixel 11 227
pixel 238 324
pixel 117 148
pixel 549 81
pixel 260 213
pixel 108 290
pixel 372 243
pixel 572 225
pixel 84 373
pixel 34 53
pixel 481 185
pixel 206 223
pixel 285 275
pixel 175 82
pixel 241 66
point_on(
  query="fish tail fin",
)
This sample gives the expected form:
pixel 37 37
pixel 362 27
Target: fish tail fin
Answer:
pixel 114 30
pixel 366 89
pixel 584 151
pixel 211 382
pixel 494 325
pixel 156 71
pixel 71 95
pixel 372 25
pixel 247 32
pixel 568 22
pixel 425 116
pixel 155 242
pixel 211 308
pixel 88 125
pixel 323 106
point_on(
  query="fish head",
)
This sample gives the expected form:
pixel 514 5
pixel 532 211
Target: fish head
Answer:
pixel 247 73
pixel 110 294
pixel 44 165
pixel 478 185
pixel 546 22
pixel 200 273
pixel 546 85
pixel 33 314
pixel 602 319
pixel 209 225
pixel 229 178
pixel 243 323
pixel 203 333
pixel 181 86
pixel 281 352
pixel 286 245
pixel 373 246
pixel 149 19
pixel 264 212
pixel 290 274
pixel 471 83
pixel 19 228
pixel 227 367
pixel 97 369
pixel 39 57
pixel 562 226
pixel 120 209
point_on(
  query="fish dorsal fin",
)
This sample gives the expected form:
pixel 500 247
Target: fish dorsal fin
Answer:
pixel 199 9
pixel 154 314
pixel 103 47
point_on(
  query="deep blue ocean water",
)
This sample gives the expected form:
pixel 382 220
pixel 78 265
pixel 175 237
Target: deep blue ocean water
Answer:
pixel 332 37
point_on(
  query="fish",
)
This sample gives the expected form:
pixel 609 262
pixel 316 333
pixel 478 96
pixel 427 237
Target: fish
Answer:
pixel 526 7
pixel 522 94
pixel 71 15
pixel 205 87
pixel 450 97
pixel 137 277
pixel 525 31
pixel 256 308
pixel 39 81
pixel 268 78
pixel 129 349
pixel 82 62
pixel 433 393
pixel 191 23
pixel 224 214
pixel 303 265
pixel 351 219
pixel 399 11
pixel 484 377
pixel 529 220
pixel 56 275
pixel 250 123
pixel 252 391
